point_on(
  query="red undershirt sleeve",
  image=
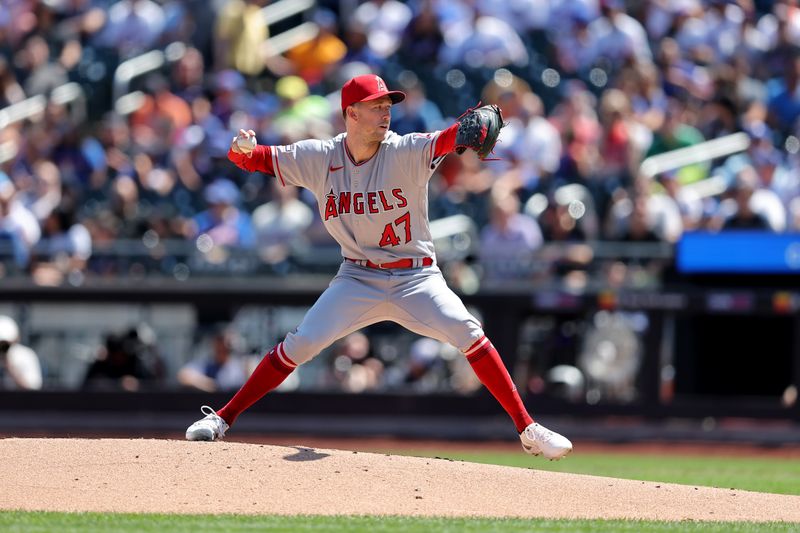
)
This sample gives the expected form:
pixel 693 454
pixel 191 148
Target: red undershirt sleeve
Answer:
pixel 446 141
pixel 261 161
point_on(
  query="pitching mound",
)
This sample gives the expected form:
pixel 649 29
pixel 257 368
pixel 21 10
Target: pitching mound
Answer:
pixel 115 475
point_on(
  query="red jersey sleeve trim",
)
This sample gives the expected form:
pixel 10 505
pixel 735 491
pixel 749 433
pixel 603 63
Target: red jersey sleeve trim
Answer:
pixel 261 160
pixel 278 168
pixel 446 141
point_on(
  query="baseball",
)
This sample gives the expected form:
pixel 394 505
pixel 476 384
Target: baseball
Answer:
pixel 246 144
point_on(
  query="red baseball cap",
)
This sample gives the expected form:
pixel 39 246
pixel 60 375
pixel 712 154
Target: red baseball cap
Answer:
pixel 365 88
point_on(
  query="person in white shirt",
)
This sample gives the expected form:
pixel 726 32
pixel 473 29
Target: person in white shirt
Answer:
pixel 280 223
pixel 19 365
pixel 18 226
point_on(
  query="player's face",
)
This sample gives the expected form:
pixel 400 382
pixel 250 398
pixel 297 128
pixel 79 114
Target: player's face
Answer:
pixel 374 117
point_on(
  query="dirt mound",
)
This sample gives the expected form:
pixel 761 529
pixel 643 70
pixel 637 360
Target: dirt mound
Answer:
pixel 167 476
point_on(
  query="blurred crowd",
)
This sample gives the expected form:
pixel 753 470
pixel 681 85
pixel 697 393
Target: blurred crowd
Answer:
pixel 134 359
pixel 590 89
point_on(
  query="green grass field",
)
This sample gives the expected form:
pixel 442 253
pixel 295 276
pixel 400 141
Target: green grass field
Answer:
pixel 767 475
pixel 779 476
pixel 153 523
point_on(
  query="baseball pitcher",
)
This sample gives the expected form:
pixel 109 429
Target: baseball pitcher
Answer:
pixel 371 186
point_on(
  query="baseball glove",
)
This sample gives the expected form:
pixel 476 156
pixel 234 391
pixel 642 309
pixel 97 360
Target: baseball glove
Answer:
pixel 478 130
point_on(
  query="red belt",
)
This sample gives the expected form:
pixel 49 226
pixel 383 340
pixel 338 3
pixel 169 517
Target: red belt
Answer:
pixel 400 263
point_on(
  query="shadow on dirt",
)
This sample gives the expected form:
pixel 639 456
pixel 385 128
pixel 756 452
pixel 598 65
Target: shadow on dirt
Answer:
pixel 305 454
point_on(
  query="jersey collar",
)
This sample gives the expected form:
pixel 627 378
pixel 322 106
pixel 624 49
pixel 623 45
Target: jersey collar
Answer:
pixel 350 156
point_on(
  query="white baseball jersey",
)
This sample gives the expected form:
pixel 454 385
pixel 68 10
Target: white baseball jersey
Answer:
pixel 376 210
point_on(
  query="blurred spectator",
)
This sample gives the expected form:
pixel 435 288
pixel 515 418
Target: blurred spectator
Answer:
pixel 314 60
pixel 301 114
pixel 19 229
pixel 358 49
pixel 639 226
pixel 784 101
pixel 508 242
pixel 620 144
pixel 777 173
pixel 566 225
pixel 779 29
pixel 487 42
pixel 79 19
pixel 79 160
pixel 525 16
pixel 575 117
pixel 572 46
pixel 281 223
pixel 425 365
pixel 133 27
pixel 794 215
pixel 64 250
pixel 240 34
pixel 692 33
pixel 230 94
pixel 384 21
pixel 161 106
pixel 124 207
pixel 115 138
pixel 642 84
pixel 618 38
pixel 724 24
pixel 40 191
pixel 640 215
pixel 44 75
pixel 128 361
pixel 719 117
pixel 416 113
pixel 542 151
pixel 744 217
pixel 529 146
pixel 198 21
pixel 422 38
pixel 689 203
pixel 355 369
pixel 224 221
pixel 423 371
pixel 17 19
pixel 10 90
pixel 682 77
pixel 192 156
pixel 19 365
pixel 557 224
pixel 676 132
pixel 225 368
pixel 188 75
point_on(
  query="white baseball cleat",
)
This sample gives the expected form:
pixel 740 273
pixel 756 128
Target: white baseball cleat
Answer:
pixel 210 427
pixel 537 439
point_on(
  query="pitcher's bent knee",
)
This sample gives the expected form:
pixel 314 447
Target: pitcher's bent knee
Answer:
pixel 467 334
pixel 300 348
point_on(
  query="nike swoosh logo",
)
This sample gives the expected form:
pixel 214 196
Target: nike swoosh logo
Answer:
pixel 334 169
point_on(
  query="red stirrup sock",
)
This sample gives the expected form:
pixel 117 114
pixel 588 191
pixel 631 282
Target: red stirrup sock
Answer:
pixel 269 373
pixel 492 372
